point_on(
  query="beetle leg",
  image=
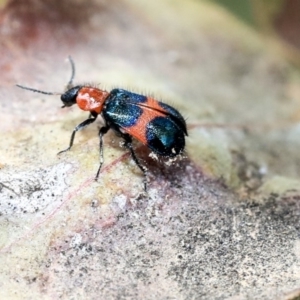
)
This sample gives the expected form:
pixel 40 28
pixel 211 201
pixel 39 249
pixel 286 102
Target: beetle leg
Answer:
pixel 128 144
pixel 78 128
pixel 102 131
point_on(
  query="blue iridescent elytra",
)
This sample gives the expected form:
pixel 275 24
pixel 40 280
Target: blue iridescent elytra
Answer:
pixel 121 108
pixel 164 130
pixel 165 137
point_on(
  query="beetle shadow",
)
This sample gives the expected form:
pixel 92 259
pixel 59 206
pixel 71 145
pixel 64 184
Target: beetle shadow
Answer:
pixel 163 168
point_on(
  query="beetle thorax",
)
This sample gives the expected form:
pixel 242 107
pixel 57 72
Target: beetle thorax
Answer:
pixel 91 99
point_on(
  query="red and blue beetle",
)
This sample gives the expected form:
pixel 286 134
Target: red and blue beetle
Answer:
pixel 157 125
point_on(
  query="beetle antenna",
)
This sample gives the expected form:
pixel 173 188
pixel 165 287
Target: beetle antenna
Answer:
pixel 70 83
pixel 36 91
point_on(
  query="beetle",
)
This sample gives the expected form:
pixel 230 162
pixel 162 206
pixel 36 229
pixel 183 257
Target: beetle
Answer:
pixel 155 124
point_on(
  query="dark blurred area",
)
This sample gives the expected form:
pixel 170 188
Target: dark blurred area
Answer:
pixel 287 22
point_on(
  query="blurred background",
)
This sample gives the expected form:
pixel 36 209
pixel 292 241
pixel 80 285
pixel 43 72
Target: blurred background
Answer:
pixel 279 19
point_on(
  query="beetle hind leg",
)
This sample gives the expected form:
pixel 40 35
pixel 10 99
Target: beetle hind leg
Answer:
pixel 102 132
pixel 128 144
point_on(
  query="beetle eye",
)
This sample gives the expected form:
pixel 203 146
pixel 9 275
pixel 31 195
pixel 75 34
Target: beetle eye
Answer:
pixel 69 97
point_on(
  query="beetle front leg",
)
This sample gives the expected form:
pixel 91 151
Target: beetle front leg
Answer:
pixel 77 128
